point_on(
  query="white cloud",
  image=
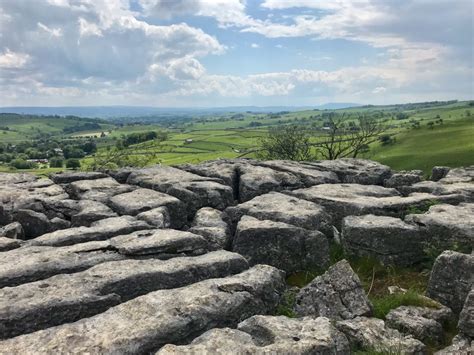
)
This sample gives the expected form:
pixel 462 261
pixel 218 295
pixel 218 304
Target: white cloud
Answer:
pixel 12 60
pixel 254 45
pixel 379 90
pixel 54 32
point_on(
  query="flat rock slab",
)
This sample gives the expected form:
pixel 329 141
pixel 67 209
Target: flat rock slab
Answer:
pixel 341 200
pixel 448 226
pixel 459 175
pixel 372 334
pixel 9 244
pixel 269 335
pixel 194 190
pixel 32 263
pixel 387 239
pixel 280 207
pixel 210 223
pixel 100 230
pixel 451 279
pixel 465 190
pixel 148 322
pixel 69 297
pixel 281 245
pixel 160 242
pixel 356 171
pixel 68 177
pixel 97 190
pixel 338 294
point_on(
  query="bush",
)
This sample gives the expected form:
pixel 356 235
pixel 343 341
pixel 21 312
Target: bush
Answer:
pixel 73 164
pixel 23 164
pixel 56 162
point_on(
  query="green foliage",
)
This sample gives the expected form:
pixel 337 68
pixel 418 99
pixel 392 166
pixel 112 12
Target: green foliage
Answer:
pixel 23 164
pixel 423 208
pixel 385 303
pixel 287 142
pixel 73 164
pixel 287 303
pixel 56 162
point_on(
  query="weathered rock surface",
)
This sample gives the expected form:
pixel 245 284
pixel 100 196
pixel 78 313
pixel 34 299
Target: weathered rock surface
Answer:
pixel 451 279
pixel 34 223
pixel 466 318
pixel 165 242
pixel 456 175
pixel 417 322
pixel 100 230
pixel 387 239
pixel 71 176
pixel 403 179
pixel 269 335
pixel 338 294
pixel 281 245
pixel 159 218
pixel 195 191
pixel 439 172
pixel 32 263
pixel 447 226
pixel 148 322
pixel 373 334
pixel 460 345
pixel 210 223
pixel 97 190
pixel 13 230
pixel 70 297
pixel 9 244
pixel 279 207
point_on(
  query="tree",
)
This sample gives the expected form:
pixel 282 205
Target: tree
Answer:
pixel 286 142
pixel 73 164
pixel 23 164
pixel 56 162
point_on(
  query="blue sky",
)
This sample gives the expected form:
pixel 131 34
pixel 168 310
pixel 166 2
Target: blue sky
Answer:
pixel 234 52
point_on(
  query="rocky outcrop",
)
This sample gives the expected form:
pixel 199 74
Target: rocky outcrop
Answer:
pixel 374 335
pixel 404 178
pixel 439 172
pixel 71 176
pixel 387 239
pixel 13 230
pixel 211 224
pixel 9 244
pixel 451 279
pixel 338 294
pixel 148 322
pixel 269 335
pixel 100 190
pixel 466 318
pixel 281 245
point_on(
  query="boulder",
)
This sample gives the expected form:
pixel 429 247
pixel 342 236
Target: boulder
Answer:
pixel 32 263
pixel 69 297
pixel 447 226
pixel 386 239
pixel 451 279
pixel 403 179
pixel 195 191
pixel 464 190
pixel 34 223
pixel 13 230
pixel 99 230
pixel 9 244
pixel 210 223
pixel 159 218
pixel 100 190
pixel 281 245
pixel 146 323
pixel 466 318
pixel 457 175
pixel 372 334
pixel 89 211
pixel 164 242
pixel 416 321
pixel 71 176
pixel 460 345
pixel 269 335
pixel 439 172
pixel 337 294
pixel 279 207
pixel 355 171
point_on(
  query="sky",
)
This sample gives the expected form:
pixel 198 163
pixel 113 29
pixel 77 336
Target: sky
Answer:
pixel 209 53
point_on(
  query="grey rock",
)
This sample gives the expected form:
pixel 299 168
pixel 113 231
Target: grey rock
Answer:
pixel 148 322
pixel 448 226
pixel 460 345
pixel 463 190
pixel 412 320
pixel 32 263
pixel 337 294
pixel 451 279
pixel 387 239
pixel 341 200
pixel 69 297
pixel 68 177
pixel 158 217
pixel 194 190
pixel 99 230
pixel 226 170
pixel 97 190
pixel 356 171
pixel 13 230
pixel 279 207
pixel 166 242
pixel 281 245
pixel 466 318
pixel 402 179
pixel 465 174
pixel 269 335
pixel 34 223
pixel 373 334
pixel 210 223
pixel 439 172
pixel 9 244
pixel 89 212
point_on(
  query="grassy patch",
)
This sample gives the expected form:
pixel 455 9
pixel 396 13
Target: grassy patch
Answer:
pixel 383 304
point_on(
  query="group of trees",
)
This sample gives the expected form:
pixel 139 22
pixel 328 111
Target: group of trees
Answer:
pixel 341 138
